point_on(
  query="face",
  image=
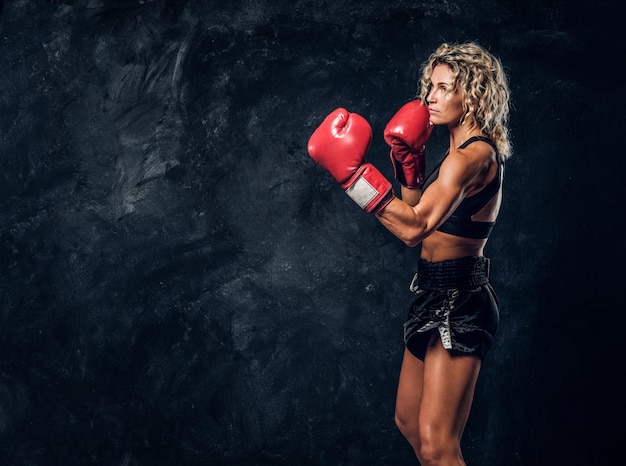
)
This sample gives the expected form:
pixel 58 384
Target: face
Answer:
pixel 445 105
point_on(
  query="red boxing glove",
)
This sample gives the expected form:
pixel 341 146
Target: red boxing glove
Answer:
pixel 339 145
pixel 407 133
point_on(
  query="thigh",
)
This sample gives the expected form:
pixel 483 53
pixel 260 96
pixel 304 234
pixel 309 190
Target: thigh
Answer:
pixel 449 381
pixel 409 393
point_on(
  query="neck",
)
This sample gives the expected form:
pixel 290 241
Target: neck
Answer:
pixel 461 133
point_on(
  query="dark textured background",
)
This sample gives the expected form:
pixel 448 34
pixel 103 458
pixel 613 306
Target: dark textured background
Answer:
pixel 180 284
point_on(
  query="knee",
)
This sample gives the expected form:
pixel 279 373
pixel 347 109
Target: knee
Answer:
pixel 409 427
pixel 428 449
pixel 429 453
pixel 436 449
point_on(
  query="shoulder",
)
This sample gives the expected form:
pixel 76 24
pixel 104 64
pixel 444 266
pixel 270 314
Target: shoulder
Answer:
pixel 470 164
pixel 479 154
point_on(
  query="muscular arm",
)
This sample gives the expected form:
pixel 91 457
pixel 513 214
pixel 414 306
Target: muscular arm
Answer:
pixel 419 214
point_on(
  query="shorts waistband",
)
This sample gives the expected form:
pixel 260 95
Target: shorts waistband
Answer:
pixel 464 273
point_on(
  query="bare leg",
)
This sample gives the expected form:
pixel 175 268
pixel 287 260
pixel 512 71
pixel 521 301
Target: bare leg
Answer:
pixel 434 401
pixel 408 399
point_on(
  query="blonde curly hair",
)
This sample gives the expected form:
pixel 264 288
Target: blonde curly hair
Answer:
pixel 480 77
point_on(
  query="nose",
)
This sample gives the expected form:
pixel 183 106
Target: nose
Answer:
pixel 431 96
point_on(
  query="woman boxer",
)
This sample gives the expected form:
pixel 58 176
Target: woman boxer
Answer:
pixel 455 313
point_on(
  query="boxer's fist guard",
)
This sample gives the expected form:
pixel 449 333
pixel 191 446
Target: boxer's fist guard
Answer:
pixel 406 134
pixel 340 145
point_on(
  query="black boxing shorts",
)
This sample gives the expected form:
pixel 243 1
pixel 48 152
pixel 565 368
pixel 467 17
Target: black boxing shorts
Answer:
pixel 455 299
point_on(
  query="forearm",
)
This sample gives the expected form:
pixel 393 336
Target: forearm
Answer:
pixel 410 195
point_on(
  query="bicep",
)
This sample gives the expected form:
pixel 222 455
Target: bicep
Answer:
pixel 437 203
pixel 444 195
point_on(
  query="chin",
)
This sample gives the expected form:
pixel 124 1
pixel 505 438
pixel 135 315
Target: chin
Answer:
pixel 434 120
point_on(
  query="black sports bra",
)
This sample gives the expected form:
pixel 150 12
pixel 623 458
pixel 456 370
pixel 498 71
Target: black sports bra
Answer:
pixel 460 223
